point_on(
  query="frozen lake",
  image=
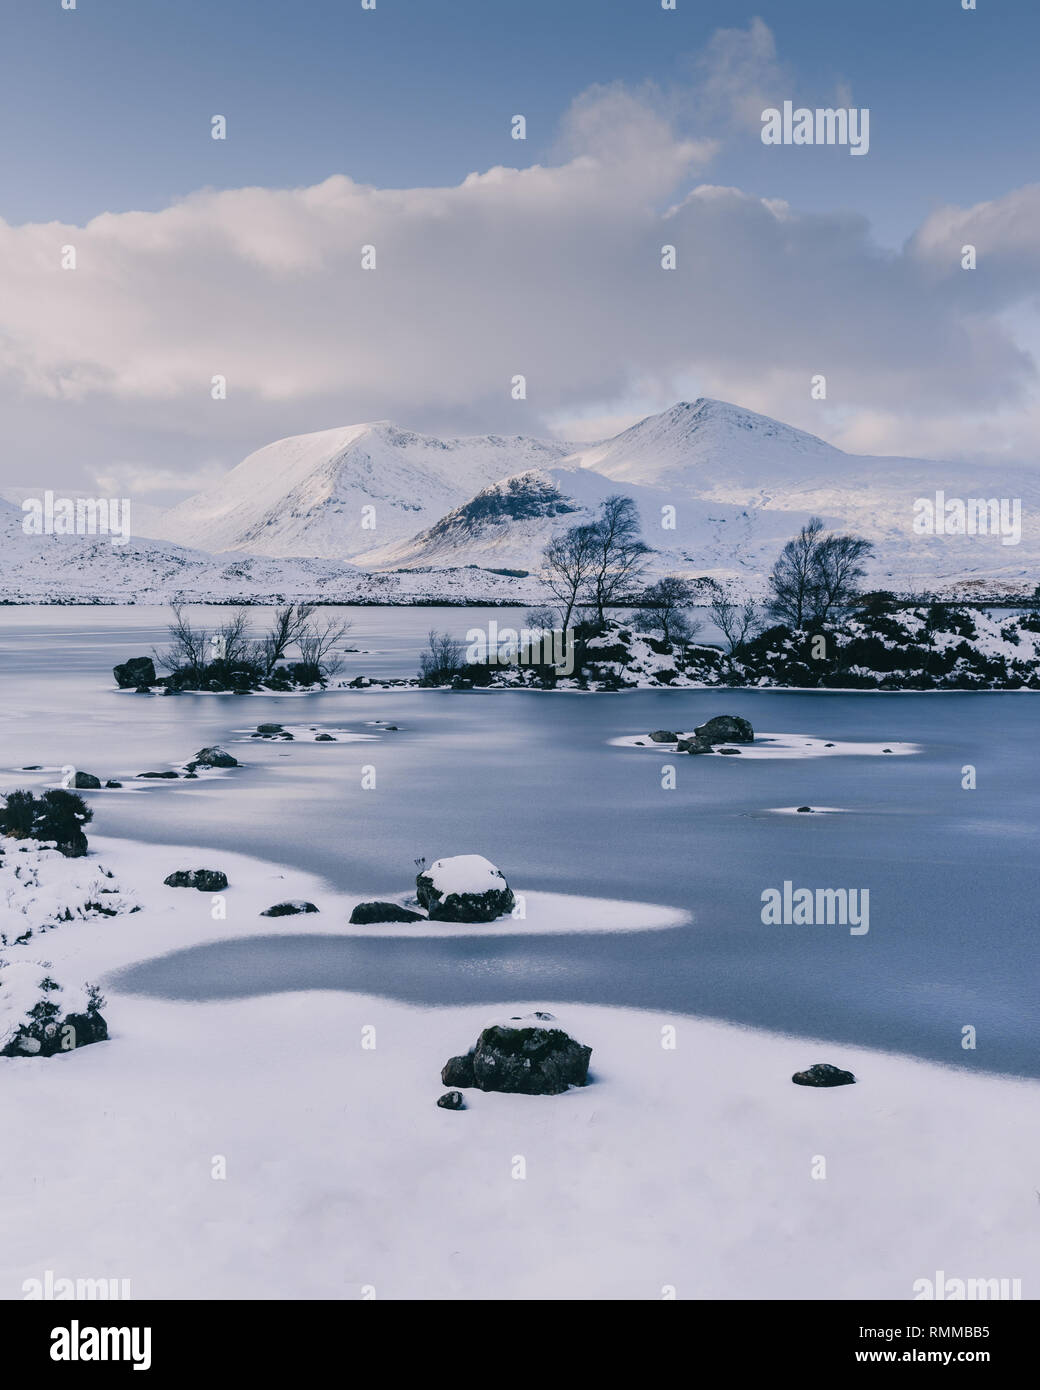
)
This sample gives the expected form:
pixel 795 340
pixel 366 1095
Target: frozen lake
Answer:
pixel 531 781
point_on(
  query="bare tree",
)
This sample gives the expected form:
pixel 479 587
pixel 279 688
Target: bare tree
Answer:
pixel 667 610
pixel 839 568
pixel 816 574
pixel 619 555
pixel 568 562
pixel 230 643
pixel 733 613
pixel 793 578
pixel 287 627
pixel 189 647
pixel 442 658
pixel 318 638
pixel 542 619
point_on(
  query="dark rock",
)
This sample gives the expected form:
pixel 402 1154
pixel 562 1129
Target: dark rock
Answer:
pixel 694 745
pixel 823 1074
pixel 170 690
pixel 828 745
pixel 365 914
pixel 139 670
pixel 663 736
pixel 288 909
pixel 164 775
pixel 205 880
pixel 142 690
pixel 726 728
pixel 458 1071
pixel 886 750
pixel 324 738
pixel 803 809
pixel 113 784
pixel 47 1039
pixel 528 1056
pixel 391 728
pixel 213 757
pixel 474 906
pixel 451 1100
pixel 33 767
pixel 729 752
pixel 270 728
pixel 86 781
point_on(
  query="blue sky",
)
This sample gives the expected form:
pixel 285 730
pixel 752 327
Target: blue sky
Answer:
pixel 110 103
pixel 384 125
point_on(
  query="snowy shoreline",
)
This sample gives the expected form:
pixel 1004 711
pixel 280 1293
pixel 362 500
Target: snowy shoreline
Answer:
pixel 687 1166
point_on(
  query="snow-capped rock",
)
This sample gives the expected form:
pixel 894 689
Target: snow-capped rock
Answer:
pixel 464 888
pixel 39 1016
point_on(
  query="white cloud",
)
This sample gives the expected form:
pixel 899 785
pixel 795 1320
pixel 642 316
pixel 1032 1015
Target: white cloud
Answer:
pixel 740 74
pixel 550 271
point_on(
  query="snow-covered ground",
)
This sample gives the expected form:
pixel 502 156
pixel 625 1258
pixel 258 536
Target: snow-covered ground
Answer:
pixel 265 1148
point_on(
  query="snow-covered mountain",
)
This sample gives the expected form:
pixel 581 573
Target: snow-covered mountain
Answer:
pixel 334 494
pixel 91 569
pixel 720 489
pixel 705 444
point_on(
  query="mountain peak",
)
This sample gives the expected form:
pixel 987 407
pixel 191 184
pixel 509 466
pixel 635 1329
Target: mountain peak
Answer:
pixel 708 414
pixel 706 441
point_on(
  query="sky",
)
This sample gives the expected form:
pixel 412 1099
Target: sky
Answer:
pixel 391 127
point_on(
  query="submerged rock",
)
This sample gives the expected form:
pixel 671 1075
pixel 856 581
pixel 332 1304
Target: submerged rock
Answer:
pixel 270 728
pixel 823 1074
pixel 524 1055
pixel 205 880
pixel 324 738
pixel 803 809
pixel 164 776
pixel 365 914
pixel 289 909
pixel 464 888
pixel 726 728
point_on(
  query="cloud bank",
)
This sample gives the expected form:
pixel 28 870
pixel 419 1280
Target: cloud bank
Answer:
pixel 551 272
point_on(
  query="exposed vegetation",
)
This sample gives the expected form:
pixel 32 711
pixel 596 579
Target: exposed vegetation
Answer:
pixel 229 658
pixel 55 815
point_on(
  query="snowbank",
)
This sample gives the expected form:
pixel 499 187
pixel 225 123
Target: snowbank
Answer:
pixel 290 1145
pixel 689 1168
